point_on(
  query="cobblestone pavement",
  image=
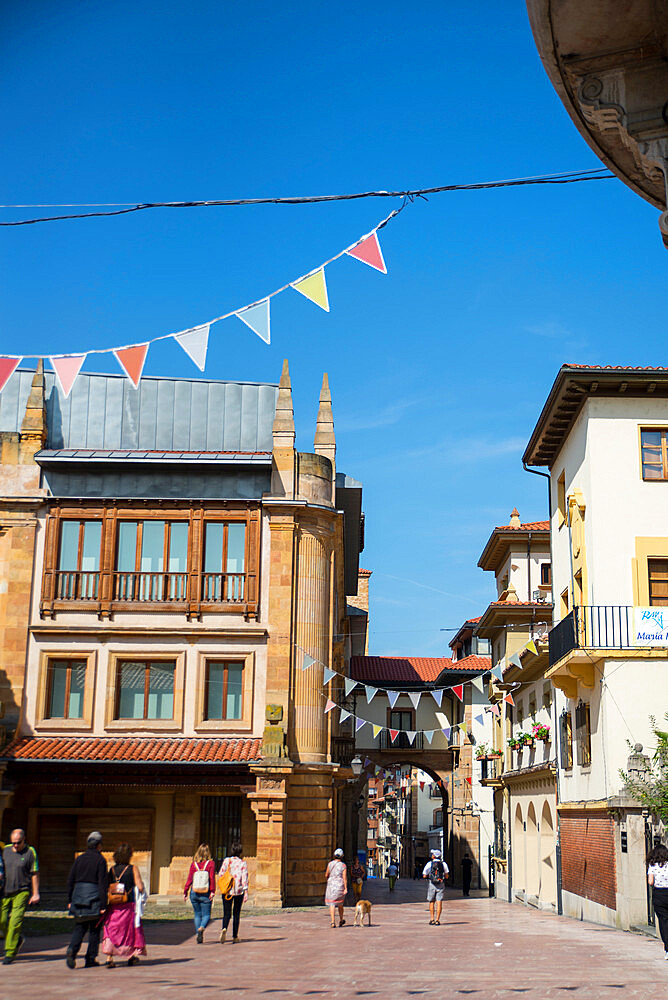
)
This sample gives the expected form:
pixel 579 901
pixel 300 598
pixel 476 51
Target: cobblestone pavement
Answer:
pixel 483 948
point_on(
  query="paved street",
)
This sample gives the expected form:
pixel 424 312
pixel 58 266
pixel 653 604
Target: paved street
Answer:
pixel 483 947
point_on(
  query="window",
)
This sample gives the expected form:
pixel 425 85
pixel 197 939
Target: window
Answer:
pixel 547 697
pixel 564 603
pixel 438 817
pixel 566 740
pixel 545 574
pixel 532 706
pixel 561 499
pixel 151 561
pixel 79 560
pixel 401 720
pixel 654 454
pixel 223 694
pixel 657 570
pixel 66 681
pixel 583 734
pixel 224 561
pixel 145 690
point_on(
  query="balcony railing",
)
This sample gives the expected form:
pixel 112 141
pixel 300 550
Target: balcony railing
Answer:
pixel 72 585
pixel 491 770
pixel 596 627
pixel 220 588
pixel 401 741
pixel 343 749
pixel 150 588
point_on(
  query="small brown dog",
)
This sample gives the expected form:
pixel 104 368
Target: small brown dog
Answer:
pixel 362 910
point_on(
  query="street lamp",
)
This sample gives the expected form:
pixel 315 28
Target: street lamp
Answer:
pixel 356 766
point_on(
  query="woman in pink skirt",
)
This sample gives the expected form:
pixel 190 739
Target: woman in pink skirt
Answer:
pixel 337 886
pixel 123 933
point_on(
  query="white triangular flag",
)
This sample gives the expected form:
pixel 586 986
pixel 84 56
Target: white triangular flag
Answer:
pixel 442 720
pixel 437 695
pixel 328 674
pixel 349 684
pixel 415 697
pixel 429 735
pixel 370 692
pixel 344 715
pixel 195 343
pixel 411 736
pixel 308 661
pixel 478 683
pixel 392 697
pixel 257 318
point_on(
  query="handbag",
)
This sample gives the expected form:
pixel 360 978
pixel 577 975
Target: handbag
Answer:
pixel 117 893
pixel 225 883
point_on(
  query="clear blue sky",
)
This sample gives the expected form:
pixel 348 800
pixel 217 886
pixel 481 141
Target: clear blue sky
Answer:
pixel 439 370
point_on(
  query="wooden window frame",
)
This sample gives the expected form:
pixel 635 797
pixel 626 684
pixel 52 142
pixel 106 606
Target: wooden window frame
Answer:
pixel 651 602
pixel 661 429
pixel 44 721
pixel 561 499
pixel 566 740
pixel 410 711
pixel 546 574
pixel 148 663
pixel 116 659
pixel 245 723
pixel 583 733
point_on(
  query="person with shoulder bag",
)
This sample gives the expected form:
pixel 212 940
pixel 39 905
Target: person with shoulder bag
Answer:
pixel 233 884
pixel 87 900
pixel 123 935
pixel 202 886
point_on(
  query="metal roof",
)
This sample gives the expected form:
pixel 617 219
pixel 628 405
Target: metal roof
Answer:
pixel 106 412
pixel 109 456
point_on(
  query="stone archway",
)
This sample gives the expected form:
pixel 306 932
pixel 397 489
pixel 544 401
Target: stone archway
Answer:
pixel 548 857
pixel 518 851
pixel 532 853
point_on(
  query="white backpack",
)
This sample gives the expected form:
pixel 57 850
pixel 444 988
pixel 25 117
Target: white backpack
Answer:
pixel 201 882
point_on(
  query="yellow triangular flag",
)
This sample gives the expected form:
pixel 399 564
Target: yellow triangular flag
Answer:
pixel 531 646
pixel 376 730
pixel 314 288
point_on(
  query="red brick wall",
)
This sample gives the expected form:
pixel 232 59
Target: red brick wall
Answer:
pixel 588 856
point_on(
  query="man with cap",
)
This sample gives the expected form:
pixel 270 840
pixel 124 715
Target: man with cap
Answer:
pixel 436 871
pixel 87 900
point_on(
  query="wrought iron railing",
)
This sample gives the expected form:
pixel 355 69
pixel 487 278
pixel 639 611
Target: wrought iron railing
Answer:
pixel 401 741
pixel 601 626
pixel 343 749
pixel 491 770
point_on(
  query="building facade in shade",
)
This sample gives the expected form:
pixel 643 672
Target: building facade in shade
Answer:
pixel 523 782
pixel 602 436
pixel 182 555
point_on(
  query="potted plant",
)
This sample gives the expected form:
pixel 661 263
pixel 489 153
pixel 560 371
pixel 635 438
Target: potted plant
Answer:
pixel 525 739
pixel 494 754
pixel 514 744
pixel 541 732
pixel 481 751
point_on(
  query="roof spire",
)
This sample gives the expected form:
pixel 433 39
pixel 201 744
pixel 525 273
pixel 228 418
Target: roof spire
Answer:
pixel 324 442
pixel 284 419
pixel 515 518
pixel 34 421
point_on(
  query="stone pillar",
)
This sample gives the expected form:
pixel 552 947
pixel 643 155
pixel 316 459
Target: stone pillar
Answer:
pixel 268 803
pixel 312 634
pixel 311 821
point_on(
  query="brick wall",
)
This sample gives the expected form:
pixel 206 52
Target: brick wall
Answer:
pixel 588 856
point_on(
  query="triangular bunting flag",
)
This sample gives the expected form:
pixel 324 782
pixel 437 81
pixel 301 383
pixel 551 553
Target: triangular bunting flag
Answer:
pixel 429 735
pixel 327 675
pixel 370 692
pixel 458 689
pixel 376 770
pixel 531 646
pixel 376 730
pixel 415 697
pixel 366 759
pixel 446 732
pixel 480 718
pixel 369 252
pixel 314 288
pixel 509 699
pixel 392 697
pixel 515 660
pixel 422 786
pixel 442 719
pixel 131 360
pixel 394 733
pixel 348 684
pixel 7 368
pixel 308 661
pixel 437 695
pixel 67 367
pixel 358 725
pixel 344 715
pixel 329 706
pixel 257 318
pixel 494 709
pixel 478 683
pixel 411 736
pixel 497 670
pixel 469 781
pixel 195 343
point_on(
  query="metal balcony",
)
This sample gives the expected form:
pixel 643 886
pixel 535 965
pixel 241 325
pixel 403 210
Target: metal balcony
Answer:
pixel 491 771
pixel 600 626
pixel 401 741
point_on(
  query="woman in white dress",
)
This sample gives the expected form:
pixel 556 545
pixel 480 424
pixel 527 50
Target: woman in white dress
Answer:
pixel 337 886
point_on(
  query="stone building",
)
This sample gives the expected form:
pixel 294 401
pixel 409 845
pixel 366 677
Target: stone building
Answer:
pixel 168 556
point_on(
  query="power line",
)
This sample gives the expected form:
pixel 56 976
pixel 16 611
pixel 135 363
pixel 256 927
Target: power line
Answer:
pixel 125 208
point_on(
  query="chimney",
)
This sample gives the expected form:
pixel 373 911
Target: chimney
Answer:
pixel 515 518
pixel 33 429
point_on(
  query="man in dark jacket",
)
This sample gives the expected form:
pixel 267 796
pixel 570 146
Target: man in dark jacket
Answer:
pixel 87 900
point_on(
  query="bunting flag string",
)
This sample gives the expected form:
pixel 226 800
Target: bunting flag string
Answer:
pixel 195 340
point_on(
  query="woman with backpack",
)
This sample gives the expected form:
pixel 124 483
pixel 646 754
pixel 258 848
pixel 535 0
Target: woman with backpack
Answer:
pixel 123 935
pixel 202 886
pixel 233 883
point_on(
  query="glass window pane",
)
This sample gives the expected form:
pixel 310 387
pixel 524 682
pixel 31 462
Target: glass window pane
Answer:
pixel 153 547
pixel 650 437
pixel 127 546
pixel 90 559
pixel 214 698
pixel 58 678
pixel 213 548
pixel 131 683
pixel 178 547
pixel 234 690
pixel 161 691
pixel 236 547
pixel 69 545
pixel 77 685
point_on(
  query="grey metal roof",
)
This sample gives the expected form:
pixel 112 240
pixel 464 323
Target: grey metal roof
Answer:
pixel 163 415
pixel 49 456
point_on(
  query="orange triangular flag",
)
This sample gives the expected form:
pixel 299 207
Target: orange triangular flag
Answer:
pixel 509 698
pixel 131 360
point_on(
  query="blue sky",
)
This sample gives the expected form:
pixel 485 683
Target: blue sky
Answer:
pixel 439 370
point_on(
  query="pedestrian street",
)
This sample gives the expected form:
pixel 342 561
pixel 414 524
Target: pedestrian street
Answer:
pixel 484 948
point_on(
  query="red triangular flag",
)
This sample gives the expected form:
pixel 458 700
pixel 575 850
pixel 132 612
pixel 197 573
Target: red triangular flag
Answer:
pixel 422 786
pixel 369 252
pixel 509 699
pixel 7 368
pixel 330 705
pixel 394 733
pixel 469 780
pixel 131 360
pixel 459 691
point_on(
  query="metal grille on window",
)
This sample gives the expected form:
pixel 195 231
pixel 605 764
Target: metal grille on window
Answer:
pixel 220 824
pixel 583 734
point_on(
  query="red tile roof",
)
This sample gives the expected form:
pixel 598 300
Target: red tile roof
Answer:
pixel 411 669
pixel 529 526
pixel 144 749
pixel 618 368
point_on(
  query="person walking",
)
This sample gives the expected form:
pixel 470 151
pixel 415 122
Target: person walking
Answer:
pixel 336 874
pixel 657 877
pixel 237 895
pixel 21 889
pixel 123 936
pixel 358 878
pixel 392 872
pixel 202 885
pixel 467 871
pixel 87 900
pixel 436 871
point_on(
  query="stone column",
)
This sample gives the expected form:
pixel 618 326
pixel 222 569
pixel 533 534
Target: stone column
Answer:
pixel 312 629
